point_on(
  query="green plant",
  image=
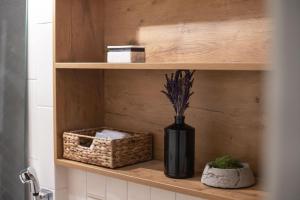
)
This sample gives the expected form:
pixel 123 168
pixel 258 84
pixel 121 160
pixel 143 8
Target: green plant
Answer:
pixel 226 162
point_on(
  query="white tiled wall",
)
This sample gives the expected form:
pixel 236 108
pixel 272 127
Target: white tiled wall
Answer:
pixel 66 184
pixel 88 186
pixel 40 106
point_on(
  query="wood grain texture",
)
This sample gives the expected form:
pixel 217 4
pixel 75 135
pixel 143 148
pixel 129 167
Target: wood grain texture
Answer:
pixel 196 66
pixel 151 173
pixel 226 111
pixel 225 31
pixel 63 31
pixel 79 102
pixel 79 31
pixel 200 31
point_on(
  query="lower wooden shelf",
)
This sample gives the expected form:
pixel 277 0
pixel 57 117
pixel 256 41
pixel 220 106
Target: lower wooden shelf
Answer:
pixel 151 173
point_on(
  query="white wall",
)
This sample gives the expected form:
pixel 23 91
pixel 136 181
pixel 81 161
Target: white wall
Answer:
pixel 65 183
pixel 40 104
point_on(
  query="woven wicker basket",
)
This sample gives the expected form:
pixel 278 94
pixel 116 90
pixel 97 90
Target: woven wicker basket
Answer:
pixel 83 146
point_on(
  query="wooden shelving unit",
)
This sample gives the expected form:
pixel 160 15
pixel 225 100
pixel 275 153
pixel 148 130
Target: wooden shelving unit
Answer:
pixel 225 41
pixel 151 173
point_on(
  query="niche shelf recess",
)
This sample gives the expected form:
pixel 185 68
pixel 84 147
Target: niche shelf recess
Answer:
pixel 226 42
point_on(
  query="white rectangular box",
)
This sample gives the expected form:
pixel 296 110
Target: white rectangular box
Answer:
pixel 125 54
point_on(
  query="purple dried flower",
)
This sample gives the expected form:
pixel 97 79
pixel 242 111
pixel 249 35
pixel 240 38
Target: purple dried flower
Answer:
pixel 178 90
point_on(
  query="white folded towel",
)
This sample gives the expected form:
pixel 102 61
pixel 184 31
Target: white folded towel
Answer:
pixel 111 135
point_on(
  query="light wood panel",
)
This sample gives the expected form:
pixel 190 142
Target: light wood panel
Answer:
pixel 201 31
pixel 79 30
pixel 79 102
pixel 185 31
pixel 197 66
pixel 226 111
pixel 151 173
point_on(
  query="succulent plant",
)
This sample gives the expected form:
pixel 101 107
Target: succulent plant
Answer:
pixel 226 162
pixel 178 90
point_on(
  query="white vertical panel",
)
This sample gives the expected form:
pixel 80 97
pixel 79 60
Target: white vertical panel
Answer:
pixel 137 191
pixel 96 185
pixel 158 194
pixel 61 176
pixel 77 184
pixel 116 189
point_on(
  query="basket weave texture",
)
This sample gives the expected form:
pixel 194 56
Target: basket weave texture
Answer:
pixel 83 146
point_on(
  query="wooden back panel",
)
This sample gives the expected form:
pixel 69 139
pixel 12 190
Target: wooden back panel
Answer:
pixel 226 111
pixel 79 31
pixel 226 31
pixel 204 31
pixel 79 102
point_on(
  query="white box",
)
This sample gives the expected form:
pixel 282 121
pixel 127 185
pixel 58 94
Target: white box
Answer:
pixel 125 54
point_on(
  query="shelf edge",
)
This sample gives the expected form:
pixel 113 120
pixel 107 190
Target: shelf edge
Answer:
pixel 162 66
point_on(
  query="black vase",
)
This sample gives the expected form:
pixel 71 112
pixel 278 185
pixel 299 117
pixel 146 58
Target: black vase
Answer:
pixel 179 149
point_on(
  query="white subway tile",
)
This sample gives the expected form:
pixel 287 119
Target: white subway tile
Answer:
pixel 96 185
pixel 159 194
pixel 77 184
pixel 46 155
pixel 32 52
pixel 116 189
pixel 137 191
pixel 186 197
pixel 44 62
pixel 33 134
pixel 40 11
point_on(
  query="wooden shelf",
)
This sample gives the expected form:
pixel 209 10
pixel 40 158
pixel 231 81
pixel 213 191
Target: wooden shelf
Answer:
pixel 151 173
pixel 205 35
pixel 196 66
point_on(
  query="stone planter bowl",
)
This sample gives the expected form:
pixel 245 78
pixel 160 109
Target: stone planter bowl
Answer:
pixel 228 178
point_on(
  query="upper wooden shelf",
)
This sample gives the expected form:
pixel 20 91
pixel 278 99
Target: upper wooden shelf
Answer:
pixel 196 66
pixel 151 173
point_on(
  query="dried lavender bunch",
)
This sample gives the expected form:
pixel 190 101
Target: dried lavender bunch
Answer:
pixel 178 90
